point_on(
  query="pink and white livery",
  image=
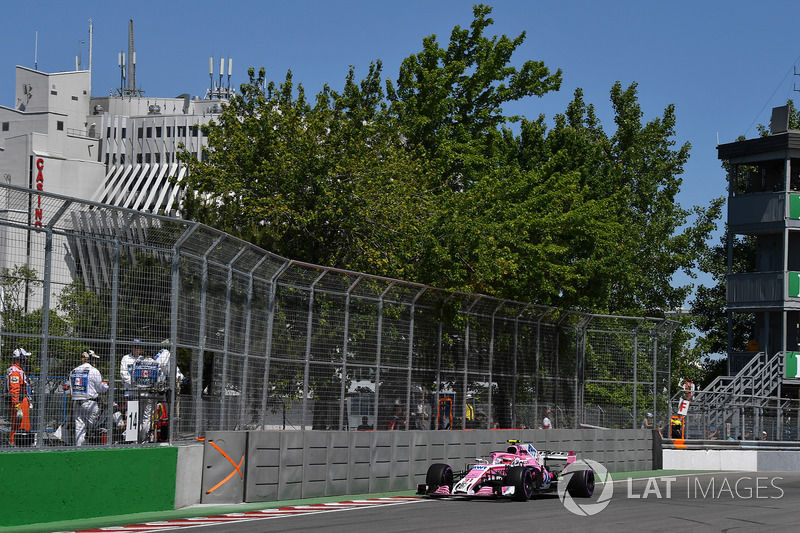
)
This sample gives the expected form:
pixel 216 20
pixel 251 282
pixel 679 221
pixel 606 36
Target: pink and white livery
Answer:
pixel 519 472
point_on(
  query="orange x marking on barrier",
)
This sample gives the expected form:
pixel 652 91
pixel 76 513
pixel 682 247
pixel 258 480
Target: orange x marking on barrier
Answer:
pixel 236 468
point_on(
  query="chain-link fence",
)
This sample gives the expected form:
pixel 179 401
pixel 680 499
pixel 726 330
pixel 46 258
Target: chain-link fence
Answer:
pixel 196 330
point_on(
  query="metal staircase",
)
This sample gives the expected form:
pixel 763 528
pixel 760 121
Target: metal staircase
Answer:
pixel 754 385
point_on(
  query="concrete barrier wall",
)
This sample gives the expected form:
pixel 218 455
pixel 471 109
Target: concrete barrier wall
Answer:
pixel 50 486
pixel 189 475
pixel 281 465
pixel 745 460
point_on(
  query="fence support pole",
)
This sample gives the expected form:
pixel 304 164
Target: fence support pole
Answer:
pixel 307 364
pixel 345 340
pixel 273 291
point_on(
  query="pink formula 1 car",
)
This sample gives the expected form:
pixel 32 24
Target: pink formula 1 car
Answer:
pixel 519 472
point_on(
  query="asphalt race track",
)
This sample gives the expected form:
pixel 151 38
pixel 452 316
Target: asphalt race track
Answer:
pixel 731 501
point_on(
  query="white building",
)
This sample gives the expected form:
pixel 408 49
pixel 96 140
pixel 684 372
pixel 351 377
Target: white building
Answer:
pixel 120 150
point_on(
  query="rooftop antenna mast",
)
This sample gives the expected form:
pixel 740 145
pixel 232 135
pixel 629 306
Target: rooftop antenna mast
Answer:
pixel 131 59
pixel 91 36
pixel 221 74
pixel 128 81
pixel 218 90
pixel 211 75
pixel 230 71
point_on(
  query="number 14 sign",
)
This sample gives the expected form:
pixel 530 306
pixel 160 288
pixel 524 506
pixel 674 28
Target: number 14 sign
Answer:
pixel 131 432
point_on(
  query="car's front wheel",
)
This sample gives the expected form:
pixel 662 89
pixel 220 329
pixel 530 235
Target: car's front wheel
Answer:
pixel 439 475
pixel 521 479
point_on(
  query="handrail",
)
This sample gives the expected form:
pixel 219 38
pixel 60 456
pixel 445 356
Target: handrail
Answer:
pixel 755 381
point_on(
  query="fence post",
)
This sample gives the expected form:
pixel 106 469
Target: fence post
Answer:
pixel 197 385
pixel 173 328
pixel 437 390
pixel 44 367
pixel 273 294
pixel 491 369
pixel 309 335
pixel 345 341
pixel 411 359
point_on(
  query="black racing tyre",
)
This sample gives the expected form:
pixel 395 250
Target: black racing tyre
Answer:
pixel 439 475
pixel 581 484
pixel 521 479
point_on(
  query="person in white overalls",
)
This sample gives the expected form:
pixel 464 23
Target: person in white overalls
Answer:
pixel 85 383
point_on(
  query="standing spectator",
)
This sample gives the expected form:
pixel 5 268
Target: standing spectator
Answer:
pixel 469 414
pixel 18 393
pixel 646 424
pixel 365 425
pixel 85 383
pixel 546 424
pixel 396 421
pixel 126 367
pixel 163 358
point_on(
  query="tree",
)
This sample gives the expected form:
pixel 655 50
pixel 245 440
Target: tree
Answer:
pixel 328 183
pixel 449 101
pixel 431 184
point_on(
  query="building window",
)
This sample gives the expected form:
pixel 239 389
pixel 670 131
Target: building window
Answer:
pixel 139 158
pixel 140 133
pixel 75 98
pixel 181 131
pixel 60 125
pixel 158 131
pixel 5 126
pixel 54 93
pixel 169 131
pixel 147 158
pixel 124 132
pixel 194 130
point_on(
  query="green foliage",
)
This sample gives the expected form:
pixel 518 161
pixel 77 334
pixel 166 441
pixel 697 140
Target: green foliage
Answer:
pixel 18 284
pixel 431 181
pixel 449 101
pixel 327 183
pixel 709 307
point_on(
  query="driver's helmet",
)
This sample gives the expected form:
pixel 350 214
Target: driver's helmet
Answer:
pixel 512 449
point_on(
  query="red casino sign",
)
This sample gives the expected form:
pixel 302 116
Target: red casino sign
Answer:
pixel 37 212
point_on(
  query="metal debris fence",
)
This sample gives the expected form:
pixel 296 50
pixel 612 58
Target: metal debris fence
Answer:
pixel 264 342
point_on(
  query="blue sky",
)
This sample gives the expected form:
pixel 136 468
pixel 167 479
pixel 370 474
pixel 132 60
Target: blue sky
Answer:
pixel 723 65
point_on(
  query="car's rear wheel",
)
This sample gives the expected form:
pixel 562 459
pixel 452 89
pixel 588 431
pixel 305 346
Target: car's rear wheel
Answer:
pixel 581 484
pixel 439 475
pixel 521 479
